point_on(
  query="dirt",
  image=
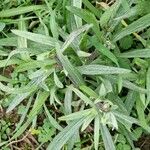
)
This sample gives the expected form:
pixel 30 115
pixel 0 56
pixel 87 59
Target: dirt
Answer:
pixel 144 142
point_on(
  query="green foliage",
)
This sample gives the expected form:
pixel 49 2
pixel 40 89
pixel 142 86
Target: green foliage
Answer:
pixel 45 132
pixel 143 6
pixel 72 76
pixel 126 42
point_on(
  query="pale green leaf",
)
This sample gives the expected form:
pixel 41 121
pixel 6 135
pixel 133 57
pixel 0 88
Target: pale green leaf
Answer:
pixel 39 38
pixel 96 132
pixel 57 81
pixel 143 53
pixel 52 120
pixel 88 17
pixel 20 10
pixel 105 51
pixel 101 69
pixel 108 142
pixel 109 13
pixel 76 115
pixel 136 26
pixel 62 137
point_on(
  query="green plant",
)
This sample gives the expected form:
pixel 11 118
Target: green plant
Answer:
pixel 66 72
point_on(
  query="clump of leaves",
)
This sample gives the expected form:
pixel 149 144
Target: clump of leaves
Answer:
pixel 66 71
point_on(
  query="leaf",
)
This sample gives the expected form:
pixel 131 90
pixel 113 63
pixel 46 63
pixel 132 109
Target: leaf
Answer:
pixel 17 51
pixel 3 53
pixel 89 91
pixel 75 34
pixel 127 121
pixel 26 89
pixel 148 86
pixel 53 25
pixel 22 42
pixel 87 121
pixel 83 54
pixel 109 13
pixel 81 95
pixel 105 51
pixel 136 26
pixel 39 102
pixel 128 135
pixel 24 114
pixel 127 84
pixel 33 65
pixel 96 132
pixel 116 100
pixel 30 87
pixel 3 78
pixel 14 61
pixel 78 20
pixel 143 53
pixel 108 142
pixel 57 81
pixel 76 115
pixel 21 129
pixel 141 115
pixel 130 101
pixel 75 43
pixel 67 101
pixel 2 26
pixel 16 101
pixel 10 41
pixel 20 10
pixel 88 17
pixel 61 138
pixel 126 42
pixel 52 120
pixel 74 74
pixel 101 69
pixel 129 13
pixel 12 90
pixel 91 8
pixel 113 121
pixel 39 38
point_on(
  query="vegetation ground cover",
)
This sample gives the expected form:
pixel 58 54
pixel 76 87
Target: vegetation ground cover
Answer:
pixel 74 74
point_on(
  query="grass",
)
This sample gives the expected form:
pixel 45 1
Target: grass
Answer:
pixel 74 75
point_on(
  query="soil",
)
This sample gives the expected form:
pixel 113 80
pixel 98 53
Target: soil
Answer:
pixel 144 142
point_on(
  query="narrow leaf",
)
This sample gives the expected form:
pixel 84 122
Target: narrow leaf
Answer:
pixel 105 51
pixel 57 81
pixel 39 38
pixel 108 142
pixel 20 10
pixel 101 69
pixel 88 17
pixel 52 120
pixel 143 53
pixel 96 132
pixel 62 137
pixel 136 26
